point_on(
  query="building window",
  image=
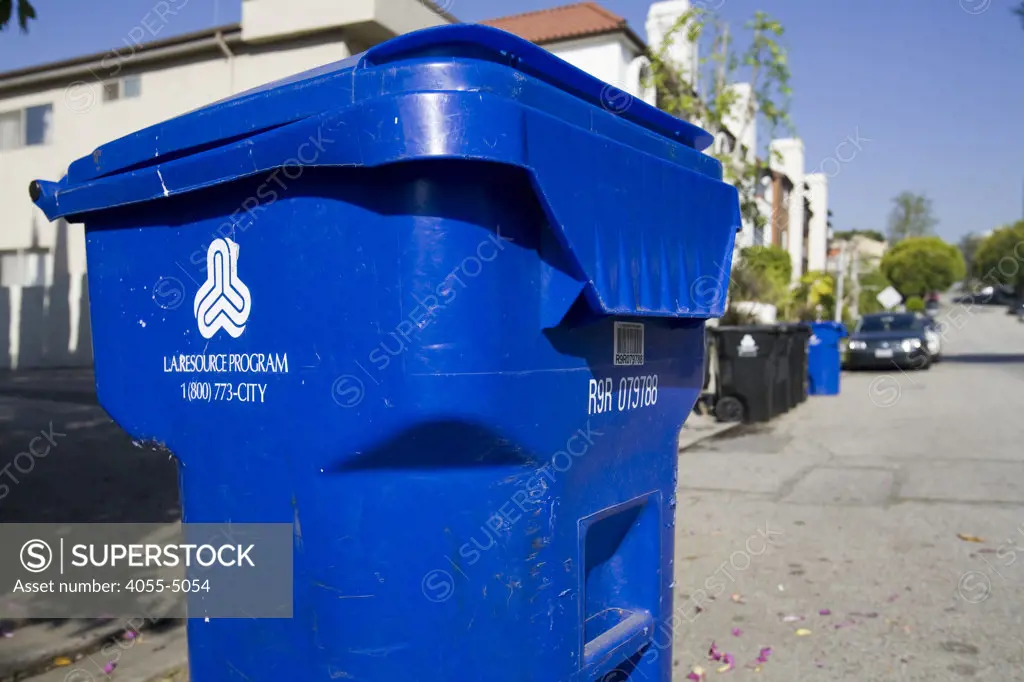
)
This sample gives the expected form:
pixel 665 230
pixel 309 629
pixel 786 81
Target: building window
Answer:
pixel 10 130
pixel 128 87
pixel 132 87
pixel 26 127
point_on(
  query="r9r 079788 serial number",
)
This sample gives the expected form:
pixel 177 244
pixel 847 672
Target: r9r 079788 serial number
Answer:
pixel 629 393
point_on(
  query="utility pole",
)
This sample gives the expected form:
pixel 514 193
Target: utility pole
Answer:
pixel 842 277
pixel 855 286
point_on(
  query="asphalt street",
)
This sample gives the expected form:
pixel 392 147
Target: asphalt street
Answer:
pixel 874 535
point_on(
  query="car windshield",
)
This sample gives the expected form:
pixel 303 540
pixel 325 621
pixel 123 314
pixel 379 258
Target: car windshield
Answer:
pixel 888 323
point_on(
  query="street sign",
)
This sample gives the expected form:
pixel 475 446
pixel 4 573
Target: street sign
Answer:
pixel 889 298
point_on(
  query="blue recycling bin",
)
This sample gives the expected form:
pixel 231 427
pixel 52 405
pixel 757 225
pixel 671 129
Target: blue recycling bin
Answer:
pixel 823 358
pixel 440 306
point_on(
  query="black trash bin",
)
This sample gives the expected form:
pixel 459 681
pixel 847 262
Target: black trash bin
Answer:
pixel 800 336
pixel 747 368
pixel 782 400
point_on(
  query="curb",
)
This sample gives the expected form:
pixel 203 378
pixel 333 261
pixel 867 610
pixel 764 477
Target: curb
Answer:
pixel 41 661
pixel 178 673
pixel 708 433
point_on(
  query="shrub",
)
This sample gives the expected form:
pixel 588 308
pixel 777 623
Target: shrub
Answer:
pixel 915 304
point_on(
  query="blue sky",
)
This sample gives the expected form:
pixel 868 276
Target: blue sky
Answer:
pixel 934 89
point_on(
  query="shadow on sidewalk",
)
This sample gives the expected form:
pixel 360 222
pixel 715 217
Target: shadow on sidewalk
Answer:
pixel 81 468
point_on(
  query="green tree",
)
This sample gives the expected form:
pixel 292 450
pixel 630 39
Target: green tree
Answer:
pixel 1000 258
pixel 777 267
pixel 915 304
pixel 26 12
pixel 911 216
pixel 919 265
pixel 850 234
pixel 816 288
pixel 968 245
pixel 872 283
pixel 746 283
pixel 764 65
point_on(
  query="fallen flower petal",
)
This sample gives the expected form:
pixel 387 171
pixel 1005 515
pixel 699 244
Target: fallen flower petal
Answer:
pixel 736 632
pixel 697 674
pixel 765 653
pixel 128 634
pixel 803 632
pixel 62 660
pixel 845 623
pixel 729 662
pixel 713 653
pixel 969 538
pixel 738 598
pixel 792 619
pixel 109 667
pixel 824 612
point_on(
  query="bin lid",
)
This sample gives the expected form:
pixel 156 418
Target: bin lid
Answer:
pixel 750 329
pixel 471 93
pixel 334 86
pixel 837 327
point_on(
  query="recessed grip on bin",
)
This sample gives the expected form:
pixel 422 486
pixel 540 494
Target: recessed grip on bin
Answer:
pixel 613 647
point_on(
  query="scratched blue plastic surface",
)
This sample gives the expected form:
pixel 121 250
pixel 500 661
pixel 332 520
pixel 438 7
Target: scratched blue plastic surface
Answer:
pixel 441 234
pixel 823 358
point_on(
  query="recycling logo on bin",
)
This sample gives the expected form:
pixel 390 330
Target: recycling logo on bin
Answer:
pixel 815 340
pixel 223 302
pixel 747 347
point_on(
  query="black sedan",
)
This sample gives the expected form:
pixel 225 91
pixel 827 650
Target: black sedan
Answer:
pixel 885 340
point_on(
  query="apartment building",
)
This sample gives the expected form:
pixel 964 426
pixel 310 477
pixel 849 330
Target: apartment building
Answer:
pixel 51 114
pixel 54 113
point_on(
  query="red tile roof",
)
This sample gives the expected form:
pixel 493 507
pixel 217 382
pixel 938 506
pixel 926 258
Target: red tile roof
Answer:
pixel 562 23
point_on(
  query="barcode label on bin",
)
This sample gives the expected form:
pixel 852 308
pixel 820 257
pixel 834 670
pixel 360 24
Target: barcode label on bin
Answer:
pixel 629 343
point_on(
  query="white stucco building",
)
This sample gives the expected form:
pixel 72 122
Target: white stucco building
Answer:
pixel 52 114
pixel 55 113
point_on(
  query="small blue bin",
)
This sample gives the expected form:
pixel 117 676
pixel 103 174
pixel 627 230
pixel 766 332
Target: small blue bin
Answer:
pixel 823 358
pixel 440 309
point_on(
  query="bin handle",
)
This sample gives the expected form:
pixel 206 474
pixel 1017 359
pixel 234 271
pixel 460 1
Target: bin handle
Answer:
pixel 602 654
